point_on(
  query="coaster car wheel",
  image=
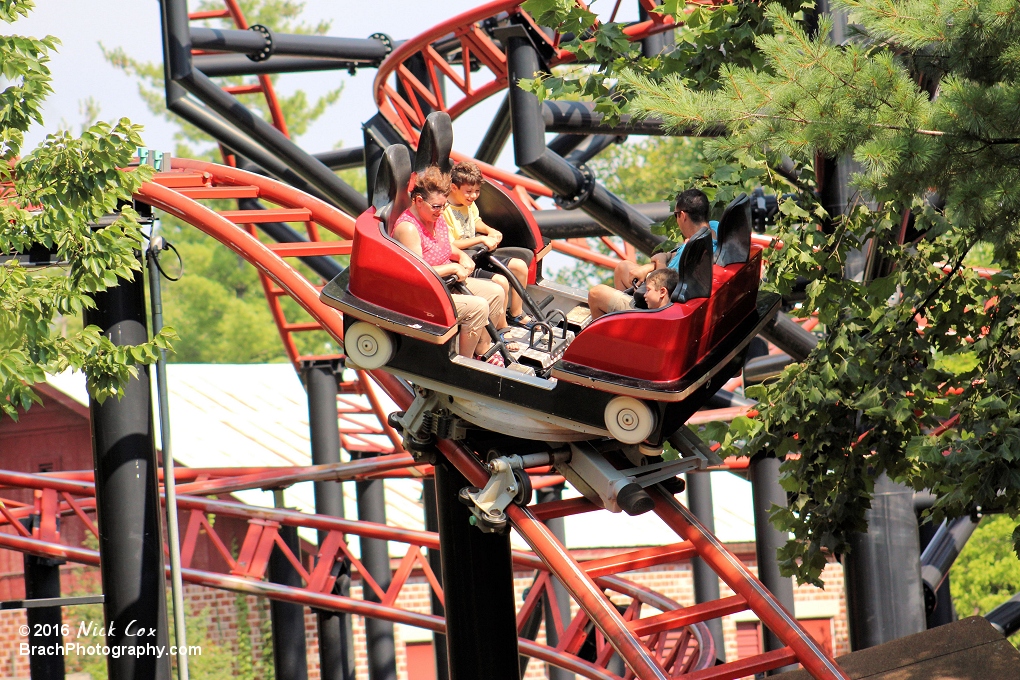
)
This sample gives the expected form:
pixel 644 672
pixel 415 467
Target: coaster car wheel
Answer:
pixel 629 420
pixel 524 489
pixel 367 346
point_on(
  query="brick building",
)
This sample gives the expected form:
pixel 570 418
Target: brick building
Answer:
pixel 226 416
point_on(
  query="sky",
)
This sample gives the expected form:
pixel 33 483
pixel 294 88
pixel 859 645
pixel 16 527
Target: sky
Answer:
pixel 79 70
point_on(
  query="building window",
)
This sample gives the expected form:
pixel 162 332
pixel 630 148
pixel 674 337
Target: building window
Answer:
pixel 421 662
pixel 749 640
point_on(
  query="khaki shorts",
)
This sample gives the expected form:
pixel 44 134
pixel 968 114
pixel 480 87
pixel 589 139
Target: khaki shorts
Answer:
pixel 620 302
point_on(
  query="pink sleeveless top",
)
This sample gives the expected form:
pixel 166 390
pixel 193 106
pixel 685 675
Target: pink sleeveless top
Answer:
pixel 435 246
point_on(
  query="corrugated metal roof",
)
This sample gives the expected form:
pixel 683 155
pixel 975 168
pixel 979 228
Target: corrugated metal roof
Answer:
pixel 242 415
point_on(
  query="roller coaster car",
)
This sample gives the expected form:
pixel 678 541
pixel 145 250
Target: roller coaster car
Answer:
pixel 635 376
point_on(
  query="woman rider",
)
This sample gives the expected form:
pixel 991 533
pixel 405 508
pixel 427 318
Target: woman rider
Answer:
pixel 422 230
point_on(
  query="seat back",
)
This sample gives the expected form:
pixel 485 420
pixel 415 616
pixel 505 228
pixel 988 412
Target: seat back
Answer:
pixel 734 232
pixel 390 197
pixel 435 143
pixel 499 208
pixel 695 268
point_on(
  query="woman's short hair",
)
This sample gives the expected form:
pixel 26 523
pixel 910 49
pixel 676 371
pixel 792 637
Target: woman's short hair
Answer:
pixel 466 172
pixel 431 181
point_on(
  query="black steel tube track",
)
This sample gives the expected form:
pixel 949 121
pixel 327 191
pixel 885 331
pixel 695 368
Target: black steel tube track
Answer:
pixel 537 161
pixel 177 46
pixel 566 143
pixel 219 65
pixel 576 224
pixel 293 44
pixel 581 117
pixel 178 101
pixel 496 135
pixel 943 612
pixel 127 498
pixel 481 621
pixel 1006 617
pixel 940 553
pixel 592 146
pixel 336 634
pixel 342 159
pixel 302 163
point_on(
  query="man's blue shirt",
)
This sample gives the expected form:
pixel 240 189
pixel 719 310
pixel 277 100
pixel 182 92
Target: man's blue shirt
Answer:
pixel 674 262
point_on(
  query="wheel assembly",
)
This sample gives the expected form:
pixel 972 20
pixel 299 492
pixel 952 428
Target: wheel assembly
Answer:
pixel 629 420
pixel 367 346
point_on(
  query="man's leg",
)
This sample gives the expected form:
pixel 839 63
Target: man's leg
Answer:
pixel 471 313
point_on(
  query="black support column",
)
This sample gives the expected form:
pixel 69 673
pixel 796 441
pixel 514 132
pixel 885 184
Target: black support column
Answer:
pixel 884 595
pixel 766 492
pixel 42 580
pixel 124 455
pixel 336 638
pixel 290 660
pixel 481 622
pixel 375 556
pixel 428 498
pixel 706 581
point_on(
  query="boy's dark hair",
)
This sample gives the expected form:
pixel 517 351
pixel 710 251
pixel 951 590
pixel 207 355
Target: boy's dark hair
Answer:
pixel 466 172
pixel 431 181
pixel 666 278
pixel 694 202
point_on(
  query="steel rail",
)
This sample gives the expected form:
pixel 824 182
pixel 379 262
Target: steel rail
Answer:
pixel 603 570
pixel 324 601
pixel 738 577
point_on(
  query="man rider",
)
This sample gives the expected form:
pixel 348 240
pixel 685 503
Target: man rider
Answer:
pixel 691 215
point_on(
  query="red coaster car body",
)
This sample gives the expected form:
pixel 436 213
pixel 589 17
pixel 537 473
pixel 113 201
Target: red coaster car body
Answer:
pixel 655 367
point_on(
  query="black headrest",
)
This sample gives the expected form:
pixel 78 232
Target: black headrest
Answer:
pixel 734 232
pixel 390 195
pixel 435 143
pixel 695 268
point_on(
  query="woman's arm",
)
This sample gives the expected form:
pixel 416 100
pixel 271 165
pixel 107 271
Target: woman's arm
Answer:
pixel 407 235
pixel 462 259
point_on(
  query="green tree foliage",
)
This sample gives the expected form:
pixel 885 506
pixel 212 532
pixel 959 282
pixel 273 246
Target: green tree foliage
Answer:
pixel 985 574
pixel 916 339
pixel 218 307
pixel 54 195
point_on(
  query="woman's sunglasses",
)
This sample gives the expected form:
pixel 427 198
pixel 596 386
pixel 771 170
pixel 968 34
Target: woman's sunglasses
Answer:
pixel 435 207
